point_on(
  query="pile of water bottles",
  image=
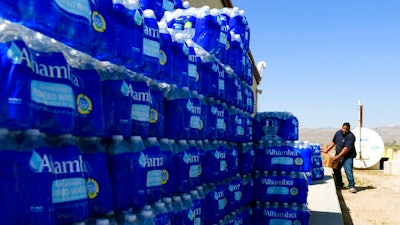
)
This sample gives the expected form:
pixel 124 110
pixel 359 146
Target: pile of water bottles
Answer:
pixel 127 112
pixel 109 110
pixel 283 170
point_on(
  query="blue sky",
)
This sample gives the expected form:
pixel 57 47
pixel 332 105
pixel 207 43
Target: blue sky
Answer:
pixel 324 55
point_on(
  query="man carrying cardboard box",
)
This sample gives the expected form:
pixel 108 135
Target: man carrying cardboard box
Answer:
pixel 345 153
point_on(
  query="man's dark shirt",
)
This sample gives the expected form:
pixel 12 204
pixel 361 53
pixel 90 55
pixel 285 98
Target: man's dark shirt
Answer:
pixel 345 141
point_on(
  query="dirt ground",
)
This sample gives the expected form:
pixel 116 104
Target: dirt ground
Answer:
pixel 377 201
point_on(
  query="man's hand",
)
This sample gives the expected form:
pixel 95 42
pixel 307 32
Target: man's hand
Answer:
pixel 335 158
pixel 324 149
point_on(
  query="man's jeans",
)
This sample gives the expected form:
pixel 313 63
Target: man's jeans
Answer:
pixel 347 164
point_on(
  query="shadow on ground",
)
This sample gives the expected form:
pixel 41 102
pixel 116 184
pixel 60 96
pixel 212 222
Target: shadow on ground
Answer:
pixel 345 210
pixel 328 218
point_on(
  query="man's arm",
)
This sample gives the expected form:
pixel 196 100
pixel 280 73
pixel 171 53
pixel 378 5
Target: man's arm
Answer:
pixel 329 147
pixel 342 153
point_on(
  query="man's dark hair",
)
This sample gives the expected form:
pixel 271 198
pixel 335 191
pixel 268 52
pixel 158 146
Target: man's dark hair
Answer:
pixel 346 124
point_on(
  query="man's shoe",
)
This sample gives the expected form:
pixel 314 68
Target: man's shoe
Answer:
pixel 353 190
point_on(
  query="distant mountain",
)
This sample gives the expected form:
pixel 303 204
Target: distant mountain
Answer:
pixel 323 136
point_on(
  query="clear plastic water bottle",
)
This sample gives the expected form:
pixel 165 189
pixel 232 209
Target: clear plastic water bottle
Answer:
pixel 210 77
pixel 168 167
pixel 131 219
pixel 221 123
pixel 237 54
pixel 35 15
pixel 170 208
pixel 257 212
pixel 248 185
pixel 198 204
pixel 249 101
pixel 260 155
pixel 208 26
pixel 195 168
pixel 58 115
pixel 17 76
pixel 154 165
pixel 221 83
pixel 151 45
pixel 156 6
pixel 188 205
pixel 211 171
pixel 156 118
pixel 182 167
pixel 147 216
pixel 233 159
pixel 141 101
pixel 89 119
pixel 35 175
pixel 196 122
pixel 3 85
pixel 205 161
pixel 118 108
pixel 210 114
pixel 97 175
pixel 9 10
pixel 194 69
pixel 238 24
pixel 139 171
pixel 74 26
pixel 166 55
pixel 122 176
pixel 203 117
pixel 257 176
pixel 161 213
pixel 127 36
pixel 9 194
pixel 180 64
pixel 179 210
pixel 225 159
pixel 216 202
pixel 246 158
pixel 69 186
pixel 178 107
pixel 224 36
pixel 235 193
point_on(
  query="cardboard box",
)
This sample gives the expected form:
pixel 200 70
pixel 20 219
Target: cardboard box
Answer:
pixel 327 160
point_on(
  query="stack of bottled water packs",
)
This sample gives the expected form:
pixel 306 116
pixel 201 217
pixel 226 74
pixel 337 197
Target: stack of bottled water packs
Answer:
pixel 125 112
pixel 282 170
pixel 316 160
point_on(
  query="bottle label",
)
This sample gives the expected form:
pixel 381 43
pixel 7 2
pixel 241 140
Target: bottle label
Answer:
pixel 282 161
pixel 70 189
pixel 151 48
pixel 154 178
pixel 220 124
pixel 192 71
pixel 194 171
pixel 98 22
pixel 76 7
pixel 223 39
pixel 238 195
pixel 221 84
pixel 277 190
pixel 222 203
pixel 223 165
pixel 140 112
pixel 196 122
pixel 52 94
pixel 168 5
